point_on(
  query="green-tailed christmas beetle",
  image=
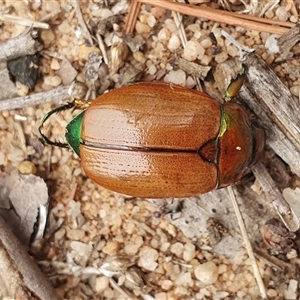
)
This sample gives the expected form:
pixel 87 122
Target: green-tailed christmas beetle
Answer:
pixel 159 140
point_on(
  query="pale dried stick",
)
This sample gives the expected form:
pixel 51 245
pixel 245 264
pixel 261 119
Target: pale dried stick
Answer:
pixel 261 20
pixel 51 15
pixel 219 16
pixel 57 95
pixel 247 244
pixel 22 266
pixel 22 21
pixel 24 44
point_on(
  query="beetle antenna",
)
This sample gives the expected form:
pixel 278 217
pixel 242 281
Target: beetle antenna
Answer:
pixel 46 117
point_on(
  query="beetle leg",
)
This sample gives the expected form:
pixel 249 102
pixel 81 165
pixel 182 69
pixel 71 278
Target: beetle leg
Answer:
pixel 46 117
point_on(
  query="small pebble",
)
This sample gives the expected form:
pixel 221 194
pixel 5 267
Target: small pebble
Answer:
pixel 205 60
pixel 161 296
pixel 47 36
pixel 148 257
pixel 52 5
pixel 131 249
pixel 190 82
pixel 75 234
pixel 220 295
pixel 183 279
pixel 82 248
pixel 55 65
pixel 177 249
pixel 269 14
pixel 74 209
pixel 271 293
pixel 27 167
pixel 35 5
pixel 152 69
pixel 206 43
pixel 294 19
pixel 232 50
pixel 295 90
pixel 65 27
pixel 101 13
pixel 158 12
pixel 166 284
pixel 164 246
pixel 282 14
pixel 2 159
pixel 271 43
pixel 222 268
pixel 174 43
pixel 142 28
pixel 193 50
pixel 139 56
pixel 163 34
pixel 151 21
pixel 16 155
pixel 59 234
pixel 180 291
pixel 101 284
pixel 52 80
pixel 207 272
pixel 171 26
pixel 22 89
pixel 176 77
pixel 221 57
pixel 189 252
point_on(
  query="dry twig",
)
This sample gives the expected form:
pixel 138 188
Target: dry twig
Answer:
pixel 220 16
pixel 57 95
pixel 23 266
pixel 276 109
pixel 24 44
pixel 288 40
pixel 132 16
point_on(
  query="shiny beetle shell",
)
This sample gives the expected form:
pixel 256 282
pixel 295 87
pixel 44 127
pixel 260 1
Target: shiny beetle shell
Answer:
pixel 159 140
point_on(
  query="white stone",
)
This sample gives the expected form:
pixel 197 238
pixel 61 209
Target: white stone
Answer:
pixel 148 257
pixel 176 77
pixel 174 43
pixel 193 50
pixel 271 43
pixel 207 272
pixel 189 252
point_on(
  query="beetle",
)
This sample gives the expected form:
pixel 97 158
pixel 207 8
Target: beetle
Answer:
pixel 159 140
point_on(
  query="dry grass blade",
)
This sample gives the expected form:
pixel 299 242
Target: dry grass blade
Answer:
pixel 248 244
pixel 81 22
pixel 220 16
